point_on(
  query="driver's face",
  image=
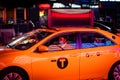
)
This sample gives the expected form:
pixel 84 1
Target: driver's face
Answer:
pixel 62 40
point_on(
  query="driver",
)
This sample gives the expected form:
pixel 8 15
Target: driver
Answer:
pixel 64 44
pixel 61 45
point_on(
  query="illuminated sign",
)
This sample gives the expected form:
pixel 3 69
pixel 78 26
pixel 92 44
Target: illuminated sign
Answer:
pixel 44 6
pixel 70 17
pixel 75 4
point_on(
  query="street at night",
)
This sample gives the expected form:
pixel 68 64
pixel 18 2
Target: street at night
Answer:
pixel 59 40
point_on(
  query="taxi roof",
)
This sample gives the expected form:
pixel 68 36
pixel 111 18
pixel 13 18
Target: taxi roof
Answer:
pixel 56 29
pixel 75 29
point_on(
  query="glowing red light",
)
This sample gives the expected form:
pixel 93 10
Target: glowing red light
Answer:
pixel 44 6
pixel 62 15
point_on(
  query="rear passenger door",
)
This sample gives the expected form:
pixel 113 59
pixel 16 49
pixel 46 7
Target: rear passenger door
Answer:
pixel 95 50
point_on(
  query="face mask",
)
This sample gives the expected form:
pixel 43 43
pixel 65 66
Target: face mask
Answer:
pixel 61 42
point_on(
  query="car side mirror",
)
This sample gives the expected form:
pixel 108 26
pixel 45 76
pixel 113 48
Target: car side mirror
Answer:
pixel 42 48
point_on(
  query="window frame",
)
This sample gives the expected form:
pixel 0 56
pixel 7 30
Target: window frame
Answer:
pixel 64 34
pixel 94 32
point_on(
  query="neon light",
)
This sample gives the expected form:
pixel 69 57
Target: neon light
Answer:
pixel 62 15
pixel 44 6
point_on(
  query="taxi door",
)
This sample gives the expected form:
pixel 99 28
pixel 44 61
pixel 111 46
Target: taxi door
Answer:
pixel 96 58
pixel 59 65
pixel 60 62
pixel 95 63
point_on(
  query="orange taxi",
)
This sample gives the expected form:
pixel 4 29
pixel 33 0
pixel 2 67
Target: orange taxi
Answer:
pixel 80 54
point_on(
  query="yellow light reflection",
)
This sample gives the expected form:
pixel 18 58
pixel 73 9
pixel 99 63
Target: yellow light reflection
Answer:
pixel 41 13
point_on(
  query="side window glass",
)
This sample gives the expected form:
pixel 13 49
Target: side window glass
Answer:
pixel 62 42
pixel 90 40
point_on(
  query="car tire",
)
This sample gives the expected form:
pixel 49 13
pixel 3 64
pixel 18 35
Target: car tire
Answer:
pixel 13 74
pixel 114 73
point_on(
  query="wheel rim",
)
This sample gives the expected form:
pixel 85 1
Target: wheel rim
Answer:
pixel 116 72
pixel 13 76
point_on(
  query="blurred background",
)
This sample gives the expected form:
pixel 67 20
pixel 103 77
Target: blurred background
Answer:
pixel 20 16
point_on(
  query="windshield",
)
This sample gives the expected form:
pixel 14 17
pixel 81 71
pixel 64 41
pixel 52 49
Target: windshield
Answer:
pixel 28 40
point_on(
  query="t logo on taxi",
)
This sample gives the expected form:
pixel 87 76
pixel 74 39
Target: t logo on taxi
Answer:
pixel 62 62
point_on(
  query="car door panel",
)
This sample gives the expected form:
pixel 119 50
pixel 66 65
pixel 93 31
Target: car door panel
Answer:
pixel 62 65
pixel 96 62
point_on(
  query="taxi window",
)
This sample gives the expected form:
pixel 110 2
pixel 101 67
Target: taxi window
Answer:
pixel 28 40
pixel 62 42
pixel 93 39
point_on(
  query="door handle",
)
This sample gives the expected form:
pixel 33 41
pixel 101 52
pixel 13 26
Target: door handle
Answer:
pixel 98 53
pixel 87 55
pixel 53 60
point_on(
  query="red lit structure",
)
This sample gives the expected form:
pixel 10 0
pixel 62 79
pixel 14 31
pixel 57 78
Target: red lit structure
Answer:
pixel 70 17
pixel 66 17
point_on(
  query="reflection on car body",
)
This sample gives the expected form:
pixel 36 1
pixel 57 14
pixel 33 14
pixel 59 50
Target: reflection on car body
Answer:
pixel 106 27
pixel 94 54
